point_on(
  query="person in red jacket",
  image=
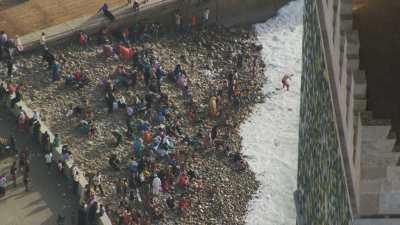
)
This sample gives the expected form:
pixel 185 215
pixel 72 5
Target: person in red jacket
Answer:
pixel 83 39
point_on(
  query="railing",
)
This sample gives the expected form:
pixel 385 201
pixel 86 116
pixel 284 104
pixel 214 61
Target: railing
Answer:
pixel 120 13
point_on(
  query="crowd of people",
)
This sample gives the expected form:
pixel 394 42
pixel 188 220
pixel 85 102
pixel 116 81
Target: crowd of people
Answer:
pixel 155 178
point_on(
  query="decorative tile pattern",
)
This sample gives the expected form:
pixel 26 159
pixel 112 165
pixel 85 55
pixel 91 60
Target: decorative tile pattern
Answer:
pixel 321 178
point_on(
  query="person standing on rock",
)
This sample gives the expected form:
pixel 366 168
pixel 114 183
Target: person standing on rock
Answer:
pixel 97 179
pixel 18 44
pixel 13 173
pixel 48 159
pixel 10 67
pixel 3 184
pixel 206 16
pixel 178 22
pixel 156 185
pixel 42 41
pixel 55 69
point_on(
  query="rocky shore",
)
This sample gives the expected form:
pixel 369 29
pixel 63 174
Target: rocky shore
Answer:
pixel 218 191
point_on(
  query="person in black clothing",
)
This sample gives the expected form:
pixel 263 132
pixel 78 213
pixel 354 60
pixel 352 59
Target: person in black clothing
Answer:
pixel 9 68
pixel 107 12
pixel 92 213
pixel 49 58
pixel 16 99
pixel 82 216
pixel 12 143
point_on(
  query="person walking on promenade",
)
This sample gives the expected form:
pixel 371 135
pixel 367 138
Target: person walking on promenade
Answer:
pixel 48 159
pixel 3 184
pixel 43 40
pixel 13 173
pixel 106 12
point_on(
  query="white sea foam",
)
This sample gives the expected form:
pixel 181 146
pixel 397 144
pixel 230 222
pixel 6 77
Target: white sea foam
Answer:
pixel 270 135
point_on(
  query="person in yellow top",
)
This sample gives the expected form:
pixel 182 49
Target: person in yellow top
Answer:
pixel 213 106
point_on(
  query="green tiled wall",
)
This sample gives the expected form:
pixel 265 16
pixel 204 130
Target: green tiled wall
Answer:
pixel 321 179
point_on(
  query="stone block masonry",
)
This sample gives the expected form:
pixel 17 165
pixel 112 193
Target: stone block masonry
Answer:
pixel 70 167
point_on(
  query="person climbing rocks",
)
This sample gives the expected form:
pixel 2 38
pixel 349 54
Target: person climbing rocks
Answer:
pixel 285 81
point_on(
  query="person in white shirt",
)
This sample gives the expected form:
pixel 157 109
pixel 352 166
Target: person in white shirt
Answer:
pixel 97 182
pixel 156 185
pixel 18 44
pixel 178 22
pixel 48 159
pixel 43 40
pixel 3 37
pixel 3 184
pixel 35 116
pixel 206 15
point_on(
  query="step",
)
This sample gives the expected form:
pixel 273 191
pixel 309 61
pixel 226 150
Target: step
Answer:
pixel 360 105
pixel 369 204
pixel 379 160
pixel 353 63
pixel 373 172
pixel 389 203
pixel 393 174
pixel 360 84
pixel 377 221
pixel 371 186
pixel 353 43
pixel 346 25
pixel 374 133
pixel 346 7
pixel 381 146
pixel 368 119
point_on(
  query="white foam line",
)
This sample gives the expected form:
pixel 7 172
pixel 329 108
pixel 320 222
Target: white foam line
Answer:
pixel 270 136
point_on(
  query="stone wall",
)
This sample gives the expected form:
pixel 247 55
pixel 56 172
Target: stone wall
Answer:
pixel 322 192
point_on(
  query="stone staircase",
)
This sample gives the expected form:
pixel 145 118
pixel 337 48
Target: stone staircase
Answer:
pixel 379 183
pixel 379 186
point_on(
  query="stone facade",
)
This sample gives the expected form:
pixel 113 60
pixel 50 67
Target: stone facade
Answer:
pixel 323 194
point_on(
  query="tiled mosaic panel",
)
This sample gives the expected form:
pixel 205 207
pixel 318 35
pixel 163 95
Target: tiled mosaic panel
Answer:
pixel 323 199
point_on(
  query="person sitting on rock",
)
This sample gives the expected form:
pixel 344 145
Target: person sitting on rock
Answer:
pixel 184 204
pixel 55 69
pixel 49 58
pixel 213 110
pixel 136 6
pixel 84 127
pixel 118 137
pixel 183 180
pixel 108 50
pixel 114 162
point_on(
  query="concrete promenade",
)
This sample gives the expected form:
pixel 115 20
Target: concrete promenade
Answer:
pixel 18 17
pixel 49 194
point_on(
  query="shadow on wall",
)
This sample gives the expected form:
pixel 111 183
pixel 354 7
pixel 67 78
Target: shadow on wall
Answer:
pixel 6 4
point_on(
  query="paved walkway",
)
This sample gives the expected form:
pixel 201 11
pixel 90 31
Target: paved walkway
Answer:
pixel 23 17
pixel 49 194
